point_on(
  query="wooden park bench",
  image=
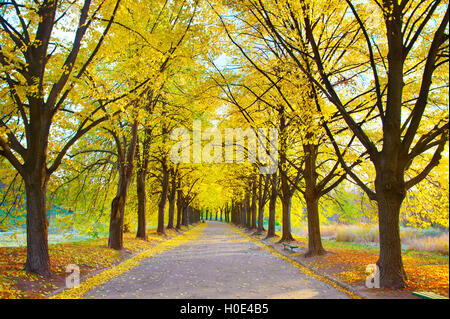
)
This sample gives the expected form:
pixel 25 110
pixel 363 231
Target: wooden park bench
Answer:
pixel 287 245
pixel 427 295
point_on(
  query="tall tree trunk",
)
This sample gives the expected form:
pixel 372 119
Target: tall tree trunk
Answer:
pixel 194 215
pixel 262 196
pixel 286 216
pixel 253 206
pixel 392 274
pixel 191 215
pixel 312 201
pixel 272 207
pixel 38 260
pixel 233 213
pixel 185 217
pixel 184 212
pixel 315 247
pixel 286 205
pixel 248 212
pixel 172 194
pixel 170 222
pixel 126 166
pixel 180 204
pixel 244 214
pixel 142 199
pixel 390 192
pixel 286 193
pixel 141 192
pixel 238 212
pixel 35 176
pixel 163 198
pixel 141 177
pixel 389 166
pixel 115 240
pixel 260 218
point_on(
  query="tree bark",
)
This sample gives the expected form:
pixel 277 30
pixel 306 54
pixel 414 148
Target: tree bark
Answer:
pixel 163 198
pixel 262 197
pixel 311 196
pixel 286 193
pixel 126 166
pixel 390 192
pixel 172 194
pixel 115 240
pixel 141 195
pixel 286 229
pixel 248 212
pixel 244 214
pixel 286 205
pixel 272 206
pixel 260 228
pixel 38 260
pixel 180 204
pixel 315 247
pixel 185 216
pixel 191 215
pixel 141 178
pixel 253 206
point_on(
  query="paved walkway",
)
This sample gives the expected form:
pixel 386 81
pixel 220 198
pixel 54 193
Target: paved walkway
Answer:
pixel 221 263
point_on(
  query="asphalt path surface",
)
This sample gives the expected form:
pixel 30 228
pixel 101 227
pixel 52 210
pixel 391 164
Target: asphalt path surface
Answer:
pixel 220 263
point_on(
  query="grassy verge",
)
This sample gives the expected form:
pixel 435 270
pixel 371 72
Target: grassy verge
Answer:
pixel 91 256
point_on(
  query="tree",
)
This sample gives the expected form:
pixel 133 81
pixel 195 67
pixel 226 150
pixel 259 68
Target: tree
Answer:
pixel 126 148
pixel 263 192
pixel 272 205
pixel 40 77
pixel 172 196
